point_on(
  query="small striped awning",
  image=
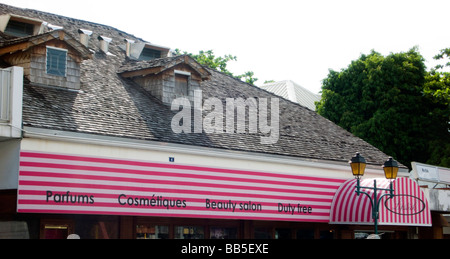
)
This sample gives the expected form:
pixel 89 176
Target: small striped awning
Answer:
pixel 408 207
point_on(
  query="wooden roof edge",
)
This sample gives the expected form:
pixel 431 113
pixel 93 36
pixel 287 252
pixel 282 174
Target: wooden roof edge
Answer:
pixel 22 44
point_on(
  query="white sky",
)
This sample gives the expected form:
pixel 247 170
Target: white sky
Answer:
pixel 277 40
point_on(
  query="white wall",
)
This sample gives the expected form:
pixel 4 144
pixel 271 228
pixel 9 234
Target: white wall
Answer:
pixel 186 155
pixel 9 164
pixel 13 127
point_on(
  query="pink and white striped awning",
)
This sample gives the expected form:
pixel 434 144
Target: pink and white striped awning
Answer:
pixel 408 207
pixel 77 184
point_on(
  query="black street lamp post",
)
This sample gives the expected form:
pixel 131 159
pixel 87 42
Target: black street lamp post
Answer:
pixel 390 167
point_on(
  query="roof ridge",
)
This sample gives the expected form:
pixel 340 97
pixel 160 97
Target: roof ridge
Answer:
pixel 290 88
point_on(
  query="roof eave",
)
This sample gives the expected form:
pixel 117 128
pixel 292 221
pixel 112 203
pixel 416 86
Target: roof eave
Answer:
pixel 23 44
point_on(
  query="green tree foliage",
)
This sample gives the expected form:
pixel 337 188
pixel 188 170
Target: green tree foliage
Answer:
pixel 437 85
pixel 437 90
pixel 207 58
pixel 247 77
pixel 383 100
pixel 269 81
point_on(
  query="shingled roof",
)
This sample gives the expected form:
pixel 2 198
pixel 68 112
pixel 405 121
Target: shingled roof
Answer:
pixel 111 105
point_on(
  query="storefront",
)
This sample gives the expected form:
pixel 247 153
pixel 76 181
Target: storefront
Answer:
pixel 110 197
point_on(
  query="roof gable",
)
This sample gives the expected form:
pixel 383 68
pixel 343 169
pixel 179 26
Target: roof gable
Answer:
pixel 25 43
pixel 156 66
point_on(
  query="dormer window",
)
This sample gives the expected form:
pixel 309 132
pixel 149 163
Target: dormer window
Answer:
pixel 50 59
pixel 148 54
pixel 182 83
pixel 19 29
pixel 20 26
pixel 56 61
pixel 144 50
pixel 167 78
